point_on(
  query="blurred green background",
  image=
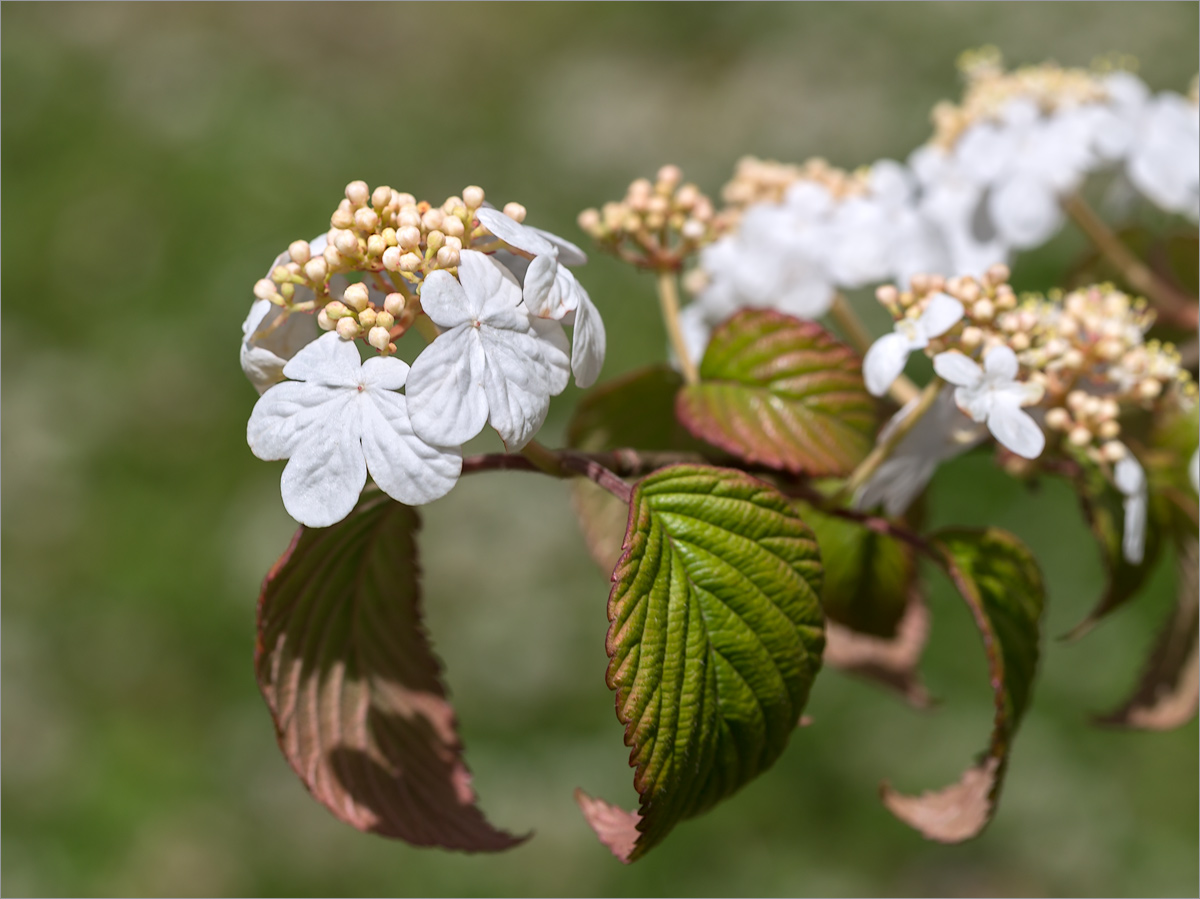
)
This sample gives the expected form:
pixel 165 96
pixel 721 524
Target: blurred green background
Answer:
pixel 156 157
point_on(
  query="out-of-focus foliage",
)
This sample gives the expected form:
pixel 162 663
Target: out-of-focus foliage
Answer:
pixel 156 158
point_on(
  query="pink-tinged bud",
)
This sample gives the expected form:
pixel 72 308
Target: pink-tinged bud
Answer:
pixel 391 259
pixel 357 297
pixel 348 329
pixel 589 221
pixel 367 318
pixel 379 338
pixel 997 274
pixel 358 193
pixel 1113 451
pixel 669 176
pixel 300 251
pixel 447 257
pixel 410 262
pixel 454 243
pixel 515 211
pixel 315 269
pixel 264 288
pixel 324 322
pixel 473 197
pixel 1080 436
pixel 346 243
pixel 366 219
pixel 452 226
pixel 384 319
pixel 394 304
pixel 432 219
pixel 1058 419
pixel 333 258
pixel 887 294
pixel 343 217
pixel 336 310
pixel 687 196
pixel 409 218
pixel 376 245
pixel 408 237
pixel 381 196
pixel 405 200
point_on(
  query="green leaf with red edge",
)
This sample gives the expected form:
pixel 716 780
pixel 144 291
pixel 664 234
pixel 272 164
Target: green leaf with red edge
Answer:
pixel 715 638
pixel 354 689
pixel 1002 586
pixel 783 393
pixel 636 410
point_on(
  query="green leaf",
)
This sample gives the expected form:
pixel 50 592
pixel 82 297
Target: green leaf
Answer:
pixel 715 637
pixel 1001 583
pixel 783 393
pixel 353 686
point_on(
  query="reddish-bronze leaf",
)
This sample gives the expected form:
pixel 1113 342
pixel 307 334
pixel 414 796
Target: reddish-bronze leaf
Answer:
pixel 1002 586
pixel 1169 690
pixel 602 519
pixel 353 686
pixel 616 828
pixel 781 392
pixel 888 661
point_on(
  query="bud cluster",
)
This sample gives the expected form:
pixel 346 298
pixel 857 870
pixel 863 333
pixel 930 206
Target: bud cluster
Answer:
pixel 657 225
pixel 766 181
pixel 982 300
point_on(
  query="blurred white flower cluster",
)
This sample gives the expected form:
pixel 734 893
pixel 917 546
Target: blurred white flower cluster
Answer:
pixel 488 293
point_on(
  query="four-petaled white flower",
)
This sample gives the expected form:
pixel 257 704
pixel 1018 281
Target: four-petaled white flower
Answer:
pixel 494 363
pixel 1130 479
pixel 551 291
pixel 338 418
pixel 886 358
pixel 992 394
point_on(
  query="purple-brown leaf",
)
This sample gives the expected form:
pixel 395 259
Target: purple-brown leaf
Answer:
pixel 354 688
pixel 889 661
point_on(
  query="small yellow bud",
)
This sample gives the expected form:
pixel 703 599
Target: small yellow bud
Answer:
pixel 367 318
pixel 348 329
pixel 315 269
pixel 389 235
pixel 384 319
pixel 381 196
pixel 264 288
pixel 300 251
pixel 515 211
pixel 394 304
pixel 366 219
pixel 357 297
pixel 335 310
pixel 473 196
pixel 434 240
pixel 376 245
pixel 379 338
pixel 358 193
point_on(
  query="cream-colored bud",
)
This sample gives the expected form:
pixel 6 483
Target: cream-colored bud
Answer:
pixel 515 211
pixel 983 311
pixel 379 338
pixel 384 319
pixel 381 196
pixel 366 219
pixel 453 226
pixel 357 297
pixel 1108 429
pixel 1091 407
pixel 971 337
pixel 969 292
pixel 403 200
pixel 1058 419
pixel 919 284
pixel 343 217
pixel 1108 408
pixel 1073 358
pixel 300 251
pixel 1149 389
pixel 376 245
pixel 703 209
pixel 408 238
pixel 693 230
pixel 473 196
pixel 409 218
pixel 589 221
pixel 287 291
pixel 391 259
pixel 315 269
pixel 434 240
pixel 358 193
pixel 264 288
pixel 389 236
pixel 687 196
pixel 1005 298
pixel 367 318
pixel 432 219
pixel 1113 451
pixel 453 206
pixel 336 310
pixel 1080 436
pixel 1019 342
pixel 348 329
pixel 447 257
pixel 333 258
pixel 997 274
pixel 346 243
pixel 324 322
pixel 1076 400
pixel 394 304
pixel 410 262
pixel 669 177
pixel 454 243
pixel 936 283
pixel 887 294
pixel 1109 349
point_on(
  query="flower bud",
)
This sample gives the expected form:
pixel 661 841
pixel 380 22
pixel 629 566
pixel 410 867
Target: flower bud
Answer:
pixel 366 219
pixel 391 259
pixel 324 322
pixel 589 222
pixel 346 243
pixel 403 200
pixel 1080 436
pixel 1108 429
pixel 389 235
pixel 434 240
pixel 1113 451
pixel 983 310
pixel 452 226
pixel 315 269
pixel 348 329
pixel 997 274
pixel 394 305
pixel 687 196
pixel 515 211
pixel 357 297
pixel 887 294
pixel 447 257
pixel 693 230
pixel 376 245
pixel 408 237
pixel 333 258
pixel 381 196
pixel 367 318
pixel 669 177
pixel 1058 419
pixel 336 310
pixel 358 193
pixel 343 217
pixel 1076 400
pixel 432 219
pixel 384 319
pixel 264 288
pixel 379 338
pixel 409 218
pixel 1019 342
pixel 410 262
pixel 971 337
pixel 454 243
pixel 1149 389
pixel 300 251
pixel 473 196
pixel 1073 358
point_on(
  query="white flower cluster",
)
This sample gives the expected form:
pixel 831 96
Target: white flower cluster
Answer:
pixel 490 293
pixel 1078 360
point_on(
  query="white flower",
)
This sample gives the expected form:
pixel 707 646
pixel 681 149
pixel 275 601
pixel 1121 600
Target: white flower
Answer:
pixel 887 356
pixel 494 363
pixel 1164 163
pixel 1131 481
pixel 941 434
pixel 993 394
pixel 337 419
pixel 551 291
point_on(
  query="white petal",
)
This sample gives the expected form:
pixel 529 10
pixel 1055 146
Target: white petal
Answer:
pixel 1129 476
pixel 384 373
pixel 552 352
pixel 885 361
pixel 446 401
pixel 588 342
pixel 1025 212
pixel 1015 428
pixel 568 253
pixel 1133 538
pixel 808 298
pixel 539 286
pixel 327 360
pixel 517 265
pixel 1000 363
pixel 491 288
pixel 984 151
pixel 404 466
pixel 516 384
pixel 265 352
pixel 942 314
pixel 515 234
pixel 287 413
pixel 323 479
pixel 955 368
pixel 445 301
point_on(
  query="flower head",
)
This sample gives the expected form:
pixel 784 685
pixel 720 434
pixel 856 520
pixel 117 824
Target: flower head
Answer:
pixel 337 419
pixel 886 358
pixel 992 394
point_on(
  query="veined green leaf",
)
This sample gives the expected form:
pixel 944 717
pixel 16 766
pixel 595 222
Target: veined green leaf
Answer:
pixel 1001 583
pixel 783 393
pixel 715 637
pixel 354 688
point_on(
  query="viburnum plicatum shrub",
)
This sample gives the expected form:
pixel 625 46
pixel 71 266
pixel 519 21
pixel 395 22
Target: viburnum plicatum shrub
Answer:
pixel 757 498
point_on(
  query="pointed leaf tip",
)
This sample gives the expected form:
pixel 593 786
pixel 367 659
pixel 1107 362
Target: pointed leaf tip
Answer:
pixel 616 828
pixel 354 688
